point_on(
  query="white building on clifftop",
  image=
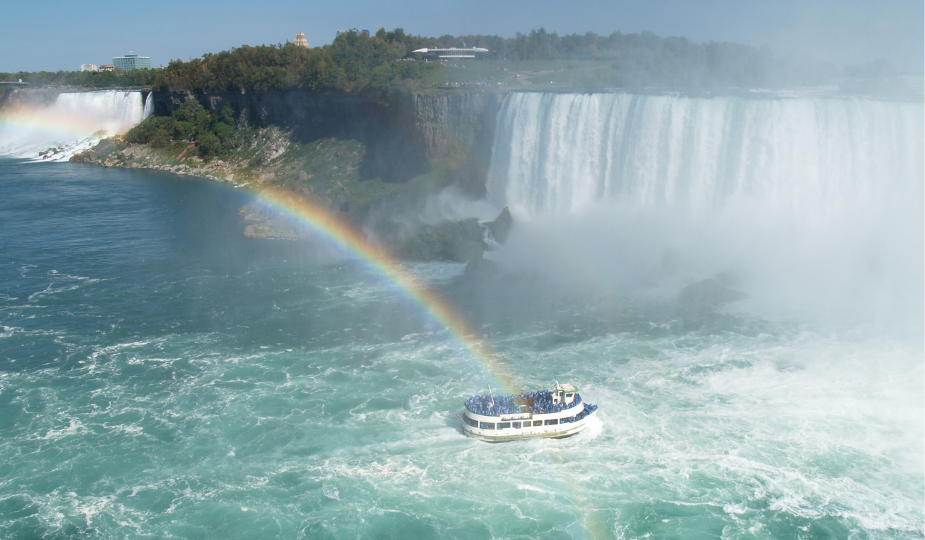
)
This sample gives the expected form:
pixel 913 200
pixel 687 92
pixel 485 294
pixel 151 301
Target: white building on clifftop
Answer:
pixel 452 52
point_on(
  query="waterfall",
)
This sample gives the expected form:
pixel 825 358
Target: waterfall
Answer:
pixel 558 153
pixel 149 106
pixel 805 194
pixel 73 123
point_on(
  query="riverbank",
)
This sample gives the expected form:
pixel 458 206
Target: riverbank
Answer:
pixel 374 168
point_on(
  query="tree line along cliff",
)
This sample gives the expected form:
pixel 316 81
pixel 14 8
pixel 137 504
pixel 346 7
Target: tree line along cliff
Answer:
pixel 382 63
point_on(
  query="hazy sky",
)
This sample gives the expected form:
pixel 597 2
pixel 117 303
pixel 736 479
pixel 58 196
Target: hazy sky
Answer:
pixel 57 35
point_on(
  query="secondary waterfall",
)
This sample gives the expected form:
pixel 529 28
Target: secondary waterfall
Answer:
pixel 808 195
pixel 74 122
pixel 149 106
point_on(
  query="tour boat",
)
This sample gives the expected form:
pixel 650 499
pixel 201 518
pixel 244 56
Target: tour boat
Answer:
pixel 532 415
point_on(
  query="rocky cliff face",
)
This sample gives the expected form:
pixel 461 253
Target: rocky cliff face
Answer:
pixel 450 120
pixel 394 148
pixel 461 126
pixel 376 164
pixel 401 139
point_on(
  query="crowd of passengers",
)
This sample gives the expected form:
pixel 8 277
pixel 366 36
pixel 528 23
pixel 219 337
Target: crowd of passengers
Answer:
pixel 539 402
pixel 587 410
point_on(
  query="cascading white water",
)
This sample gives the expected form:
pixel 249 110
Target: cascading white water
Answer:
pixel 149 106
pixel 816 198
pixel 74 122
pixel 559 153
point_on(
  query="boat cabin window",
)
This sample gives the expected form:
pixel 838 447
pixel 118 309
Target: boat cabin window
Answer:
pixel 537 422
pixel 504 425
pixel 553 422
pixel 486 425
pixel 568 395
pixel 516 425
pixel 471 422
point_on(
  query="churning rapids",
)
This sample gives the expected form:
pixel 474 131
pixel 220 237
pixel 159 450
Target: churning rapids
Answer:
pixel 161 376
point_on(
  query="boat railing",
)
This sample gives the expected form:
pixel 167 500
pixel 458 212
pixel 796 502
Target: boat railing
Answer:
pixel 540 402
pixel 512 423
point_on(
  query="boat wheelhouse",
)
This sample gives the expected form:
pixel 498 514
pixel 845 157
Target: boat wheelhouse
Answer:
pixel 532 415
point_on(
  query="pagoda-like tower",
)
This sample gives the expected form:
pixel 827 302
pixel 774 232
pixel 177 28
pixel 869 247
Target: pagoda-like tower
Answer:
pixel 300 40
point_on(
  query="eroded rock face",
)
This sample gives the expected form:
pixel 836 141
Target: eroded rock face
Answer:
pixel 450 240
pixel 453 240
pixel 459 126
pixel 263 224
pixel 400 139
pixel 395 149
pixel 501 227
pixel 708 293
pixel 451 133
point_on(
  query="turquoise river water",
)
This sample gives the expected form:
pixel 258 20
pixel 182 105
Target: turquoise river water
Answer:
pixel 161 376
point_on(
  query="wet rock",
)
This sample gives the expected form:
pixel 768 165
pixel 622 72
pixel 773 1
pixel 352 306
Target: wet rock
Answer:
pixel 481 268
pixel 501 227
pixel 709 292
pixel 449 240
pixel 265 224
pixel 728 278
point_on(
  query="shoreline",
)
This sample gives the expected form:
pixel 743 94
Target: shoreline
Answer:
pixel 379 210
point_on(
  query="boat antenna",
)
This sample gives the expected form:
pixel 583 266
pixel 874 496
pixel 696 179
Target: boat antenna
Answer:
pixel 491 396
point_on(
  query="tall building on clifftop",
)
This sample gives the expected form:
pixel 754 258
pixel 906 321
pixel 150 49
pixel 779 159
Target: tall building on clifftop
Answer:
pixel 131 61
pixel 300 40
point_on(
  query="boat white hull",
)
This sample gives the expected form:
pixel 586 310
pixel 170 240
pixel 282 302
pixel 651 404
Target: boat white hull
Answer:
pixel 559 431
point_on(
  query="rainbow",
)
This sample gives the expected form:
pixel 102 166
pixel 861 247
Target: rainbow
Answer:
pixel 343 237
pixel 49 122
pixel 346 239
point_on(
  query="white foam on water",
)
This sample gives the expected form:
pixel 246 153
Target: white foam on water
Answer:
pixel 75 427
pixel 8 331
pixel 127 429
pixel 90 507
pixel 594 428
pixel 816 427
pixel 50 289
pixel 698 425
pixel 535 489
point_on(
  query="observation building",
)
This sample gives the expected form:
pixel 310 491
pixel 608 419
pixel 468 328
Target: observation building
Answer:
pixel 351 31
pixel 452 52
pixel 131 61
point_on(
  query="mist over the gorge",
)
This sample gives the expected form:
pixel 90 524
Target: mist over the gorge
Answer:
pixel 807 203
pixel 252 294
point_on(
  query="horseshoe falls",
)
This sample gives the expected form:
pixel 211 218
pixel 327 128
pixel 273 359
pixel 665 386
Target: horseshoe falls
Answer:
pixel 161 376
pixel 812 203
pixel 559 153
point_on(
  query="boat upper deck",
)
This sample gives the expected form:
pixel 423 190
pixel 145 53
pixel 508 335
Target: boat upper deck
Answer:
pixel 540 402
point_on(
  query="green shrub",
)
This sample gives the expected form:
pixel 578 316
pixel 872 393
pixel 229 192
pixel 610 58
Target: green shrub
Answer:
pixel 213 133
